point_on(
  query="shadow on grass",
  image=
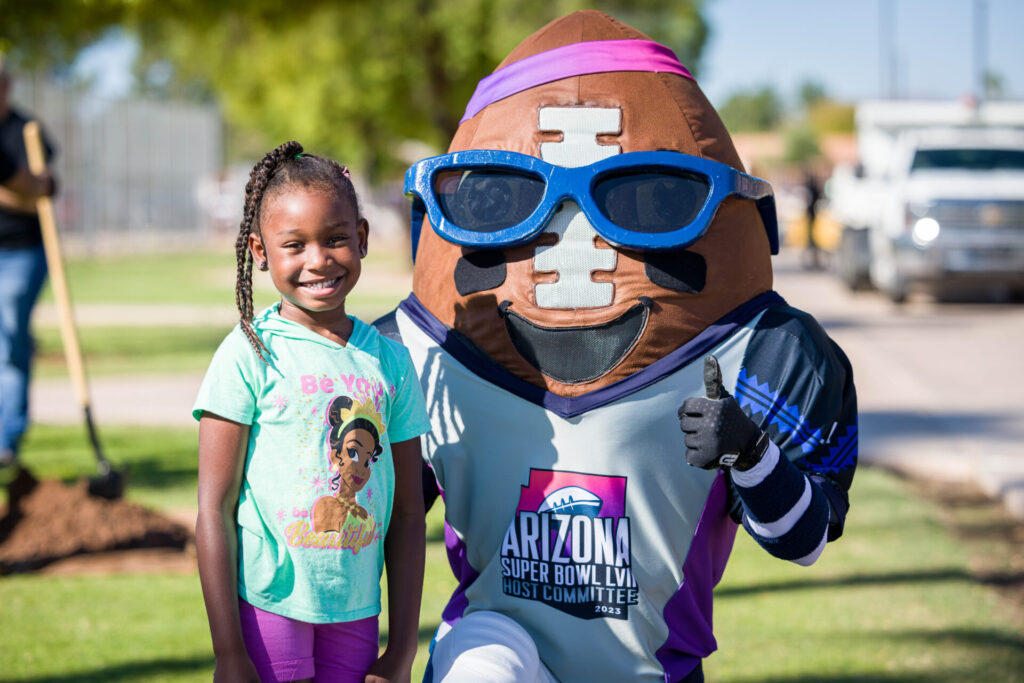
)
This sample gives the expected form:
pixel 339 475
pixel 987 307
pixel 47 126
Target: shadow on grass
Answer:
pixel 879 677
pixel 936 575
pixel 976 637
pixel 128 671
pixel 155 457
pixel 157 474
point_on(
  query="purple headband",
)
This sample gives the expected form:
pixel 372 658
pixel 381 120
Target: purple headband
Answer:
pixel 578 59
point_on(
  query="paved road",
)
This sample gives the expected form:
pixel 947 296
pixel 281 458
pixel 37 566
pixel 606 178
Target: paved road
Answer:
pixel 940 386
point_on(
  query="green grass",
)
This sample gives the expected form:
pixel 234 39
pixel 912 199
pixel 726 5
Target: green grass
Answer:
pixel 203 279
pixel 893 600
pixel 137 628
pixel 131 349
pixel 159 464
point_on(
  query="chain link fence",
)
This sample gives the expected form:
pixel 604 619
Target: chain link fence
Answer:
pixel 131 172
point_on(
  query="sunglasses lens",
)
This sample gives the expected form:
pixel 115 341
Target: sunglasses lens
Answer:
pixel 482 199
pixel 653 201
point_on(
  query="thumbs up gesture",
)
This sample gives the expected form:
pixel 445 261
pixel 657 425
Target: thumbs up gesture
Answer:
pixel 718 432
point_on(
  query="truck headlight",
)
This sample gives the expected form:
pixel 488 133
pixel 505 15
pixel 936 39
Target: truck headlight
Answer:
pixel 925 231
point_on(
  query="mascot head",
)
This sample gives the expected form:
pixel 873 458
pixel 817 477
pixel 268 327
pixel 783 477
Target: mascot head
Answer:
pixel 591 216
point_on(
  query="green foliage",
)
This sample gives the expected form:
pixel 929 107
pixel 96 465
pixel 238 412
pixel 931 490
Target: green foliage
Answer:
pixel 752 110
pixel 993 85
pixel 810 93
pixel 829 116
pixel 801 145
pixel 355 79
pixel 48 32
pixel 348 78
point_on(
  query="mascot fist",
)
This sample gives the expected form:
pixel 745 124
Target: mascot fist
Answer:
pixel 718 432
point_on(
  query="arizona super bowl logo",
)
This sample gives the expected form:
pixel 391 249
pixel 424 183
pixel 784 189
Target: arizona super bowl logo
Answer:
pixel 569 545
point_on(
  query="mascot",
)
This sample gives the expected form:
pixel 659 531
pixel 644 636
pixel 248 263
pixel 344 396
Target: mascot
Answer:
pixel 614 386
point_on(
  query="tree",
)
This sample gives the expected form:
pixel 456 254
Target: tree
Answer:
pixel 801 145
pixel 50 32
pixel 829 116
pixel 810 93
pixel 992 85
pixel 752 110
pixel 357 78
pixel 349 78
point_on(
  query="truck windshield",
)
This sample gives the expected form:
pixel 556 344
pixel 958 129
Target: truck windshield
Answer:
pixel 969 159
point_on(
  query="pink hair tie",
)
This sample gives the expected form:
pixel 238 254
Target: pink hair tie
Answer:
pixel 578 59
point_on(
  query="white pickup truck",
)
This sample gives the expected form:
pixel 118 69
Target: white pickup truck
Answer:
pixel 938 202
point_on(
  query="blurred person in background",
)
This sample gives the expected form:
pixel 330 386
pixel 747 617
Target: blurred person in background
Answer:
pixel 812 252
pixel 22 268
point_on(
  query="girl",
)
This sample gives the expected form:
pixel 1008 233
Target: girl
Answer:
pixel 287 600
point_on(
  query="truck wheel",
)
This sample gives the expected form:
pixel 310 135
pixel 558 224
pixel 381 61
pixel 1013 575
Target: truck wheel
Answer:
pixel 850 262
pixel 896 290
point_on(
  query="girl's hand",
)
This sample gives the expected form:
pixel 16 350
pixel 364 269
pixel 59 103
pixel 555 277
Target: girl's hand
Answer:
pixel 235 668
pixel 388 670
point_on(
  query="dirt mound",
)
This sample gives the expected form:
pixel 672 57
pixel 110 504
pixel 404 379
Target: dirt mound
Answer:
pixel 46 521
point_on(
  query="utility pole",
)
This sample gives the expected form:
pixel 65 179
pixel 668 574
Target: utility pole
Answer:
pixel 887 59
pixel 980 49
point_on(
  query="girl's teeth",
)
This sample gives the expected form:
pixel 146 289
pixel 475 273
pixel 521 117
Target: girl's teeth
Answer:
pixel 321 285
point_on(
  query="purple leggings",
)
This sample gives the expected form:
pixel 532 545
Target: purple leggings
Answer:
pixel 284 649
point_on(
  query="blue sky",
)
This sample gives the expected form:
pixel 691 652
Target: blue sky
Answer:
pixel 840 44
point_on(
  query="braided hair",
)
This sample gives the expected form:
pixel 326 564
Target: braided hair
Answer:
pixel 281 168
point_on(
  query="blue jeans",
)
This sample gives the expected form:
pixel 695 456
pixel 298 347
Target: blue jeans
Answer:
pixel 22 272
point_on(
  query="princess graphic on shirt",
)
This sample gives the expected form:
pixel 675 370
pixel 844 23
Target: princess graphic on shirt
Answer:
pixel 355 445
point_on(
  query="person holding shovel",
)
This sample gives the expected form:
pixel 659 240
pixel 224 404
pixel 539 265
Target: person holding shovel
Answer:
pixel 22 269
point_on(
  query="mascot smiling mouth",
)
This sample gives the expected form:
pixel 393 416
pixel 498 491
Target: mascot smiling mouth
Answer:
pixel 573 355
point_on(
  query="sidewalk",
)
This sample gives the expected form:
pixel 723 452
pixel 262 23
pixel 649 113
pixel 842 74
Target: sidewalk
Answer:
pixel 143 400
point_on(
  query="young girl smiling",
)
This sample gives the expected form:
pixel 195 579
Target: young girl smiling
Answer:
pixel 291 395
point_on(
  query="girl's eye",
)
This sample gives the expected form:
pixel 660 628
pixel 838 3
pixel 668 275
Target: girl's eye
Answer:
pixel 353 454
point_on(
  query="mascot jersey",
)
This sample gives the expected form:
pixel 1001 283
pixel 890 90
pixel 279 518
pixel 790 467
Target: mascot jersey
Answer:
pixel 589 237
pixel 580 518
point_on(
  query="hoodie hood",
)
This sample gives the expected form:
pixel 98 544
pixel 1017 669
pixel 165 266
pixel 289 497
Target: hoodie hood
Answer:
pixel 269 323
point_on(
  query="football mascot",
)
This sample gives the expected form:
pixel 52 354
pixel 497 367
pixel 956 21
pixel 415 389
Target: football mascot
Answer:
pixel 613 383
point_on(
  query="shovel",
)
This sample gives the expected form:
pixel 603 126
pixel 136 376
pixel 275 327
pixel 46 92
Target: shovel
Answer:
pixel 109 483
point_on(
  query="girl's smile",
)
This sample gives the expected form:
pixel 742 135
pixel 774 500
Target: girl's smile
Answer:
pixel 313 242
pixel 321 285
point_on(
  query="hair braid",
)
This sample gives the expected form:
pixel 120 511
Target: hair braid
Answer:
pixel 259 178
pixel 282 167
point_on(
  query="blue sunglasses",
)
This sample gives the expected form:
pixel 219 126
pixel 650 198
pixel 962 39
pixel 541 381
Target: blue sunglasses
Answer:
pixel 649 201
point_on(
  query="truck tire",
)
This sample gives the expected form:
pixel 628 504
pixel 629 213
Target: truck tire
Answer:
pixel 850 263
pixel 896 289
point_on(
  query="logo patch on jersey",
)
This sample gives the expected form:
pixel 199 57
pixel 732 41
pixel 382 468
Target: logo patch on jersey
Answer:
pixel 569 545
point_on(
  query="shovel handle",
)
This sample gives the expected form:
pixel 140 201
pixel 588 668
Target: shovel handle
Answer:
pixel 55 264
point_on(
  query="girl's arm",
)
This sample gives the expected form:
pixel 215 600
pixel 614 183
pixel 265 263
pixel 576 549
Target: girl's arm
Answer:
pixel 222 450
pixel 404 550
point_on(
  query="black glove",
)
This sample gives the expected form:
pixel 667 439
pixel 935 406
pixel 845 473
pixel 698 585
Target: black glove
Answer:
pixel 718 432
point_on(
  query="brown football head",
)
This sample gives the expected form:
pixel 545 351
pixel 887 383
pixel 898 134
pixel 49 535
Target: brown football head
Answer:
pixel 568 311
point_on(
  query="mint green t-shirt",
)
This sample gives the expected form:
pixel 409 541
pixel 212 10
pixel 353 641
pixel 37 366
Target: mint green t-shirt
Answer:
pixel 311 517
